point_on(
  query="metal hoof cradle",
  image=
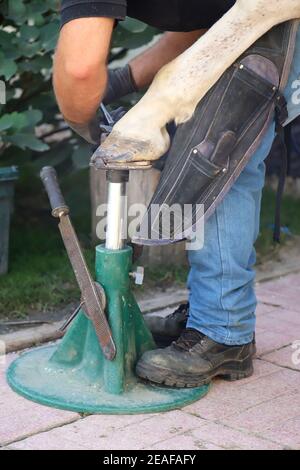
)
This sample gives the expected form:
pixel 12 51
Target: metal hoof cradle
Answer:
pixel 92 369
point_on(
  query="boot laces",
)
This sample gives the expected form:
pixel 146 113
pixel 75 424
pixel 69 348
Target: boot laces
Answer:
pixel 188 339
pixel 183 308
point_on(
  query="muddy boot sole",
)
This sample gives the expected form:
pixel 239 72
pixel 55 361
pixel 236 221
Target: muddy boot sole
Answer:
pixel 230 371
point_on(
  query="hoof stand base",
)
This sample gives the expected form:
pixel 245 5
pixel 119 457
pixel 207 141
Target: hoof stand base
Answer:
pixel 34 377
pixel 74 375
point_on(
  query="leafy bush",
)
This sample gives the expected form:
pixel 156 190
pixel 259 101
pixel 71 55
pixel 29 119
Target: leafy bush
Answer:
pixel 31 129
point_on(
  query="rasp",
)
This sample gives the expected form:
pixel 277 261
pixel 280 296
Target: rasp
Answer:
pixel 89 292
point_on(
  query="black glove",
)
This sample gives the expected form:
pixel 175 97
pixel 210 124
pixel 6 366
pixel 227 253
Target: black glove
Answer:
pixel 120 83
pixel 106 124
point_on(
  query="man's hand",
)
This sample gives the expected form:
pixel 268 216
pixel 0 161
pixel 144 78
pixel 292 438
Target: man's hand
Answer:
pixel 120 83
pixel 80 72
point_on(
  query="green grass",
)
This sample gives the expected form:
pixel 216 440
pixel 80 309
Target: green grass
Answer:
pixel 40 277
pixel 290 219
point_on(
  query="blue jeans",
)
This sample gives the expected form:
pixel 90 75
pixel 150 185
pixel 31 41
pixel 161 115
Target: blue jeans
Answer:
pixel 221 279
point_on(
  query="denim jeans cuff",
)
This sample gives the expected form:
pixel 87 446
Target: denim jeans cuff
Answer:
pixel 224 339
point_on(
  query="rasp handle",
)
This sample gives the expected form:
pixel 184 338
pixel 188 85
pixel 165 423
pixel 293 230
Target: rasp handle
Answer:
pixel 49 178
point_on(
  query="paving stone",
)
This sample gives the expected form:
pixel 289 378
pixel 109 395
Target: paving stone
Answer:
pixel 272 386
pixel 31 420
pixel 81 434
pixel 279 324
pixel 249 393
pixel 185 442
pixel 149 431
pixel 262 309
pixel 287 433
pixel 290 316
pixel 276 299
pixel 180 442
pixel 46 441
pixel 285 283
pixel 231 398
pixel 21 417
pixel 5 361
pixel 261 369
pixel 209 446
pixel 285 357
pixel 268 298
pixel 229 438
pixel 117 432
pixel 213 409
pixel 268 341
pixel 272 413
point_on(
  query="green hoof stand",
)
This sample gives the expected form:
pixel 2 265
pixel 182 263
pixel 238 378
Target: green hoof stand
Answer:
pixel 74 374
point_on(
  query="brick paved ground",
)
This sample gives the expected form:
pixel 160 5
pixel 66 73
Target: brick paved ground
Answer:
pixel 262 412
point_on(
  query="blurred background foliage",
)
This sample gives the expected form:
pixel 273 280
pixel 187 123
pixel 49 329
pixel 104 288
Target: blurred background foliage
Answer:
pixel 28 36
pixel 32 132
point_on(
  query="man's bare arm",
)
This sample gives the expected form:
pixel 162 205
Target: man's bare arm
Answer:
pixel 145 66
pixel 80 72
pixel 80 69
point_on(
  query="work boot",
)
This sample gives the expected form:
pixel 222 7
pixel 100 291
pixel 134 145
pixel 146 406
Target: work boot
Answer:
pixel 165 330
pixel 194 360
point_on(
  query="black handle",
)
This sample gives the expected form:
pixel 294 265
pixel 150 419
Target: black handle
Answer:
pixel 49 178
